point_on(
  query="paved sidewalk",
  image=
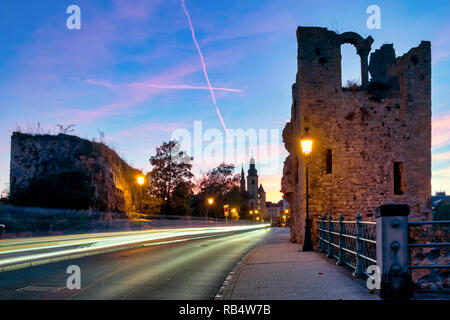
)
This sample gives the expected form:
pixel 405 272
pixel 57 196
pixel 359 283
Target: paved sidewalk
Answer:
pixel 277 270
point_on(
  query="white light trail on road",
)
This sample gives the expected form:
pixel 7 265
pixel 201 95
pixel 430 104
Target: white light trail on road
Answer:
pixel 203 63
pixel 96 243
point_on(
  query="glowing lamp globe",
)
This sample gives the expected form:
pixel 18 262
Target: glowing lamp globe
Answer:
pixel 306 144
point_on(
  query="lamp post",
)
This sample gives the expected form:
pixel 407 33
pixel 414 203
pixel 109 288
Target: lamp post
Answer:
pixel 306 144
pixel 140 181
pixel 233 214
pixel 210 203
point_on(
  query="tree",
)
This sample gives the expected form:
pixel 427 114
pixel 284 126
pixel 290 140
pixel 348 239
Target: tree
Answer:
pixel 442 210
pixel 220 180
pixel 221 184
pixel 171 177
pixel 151 205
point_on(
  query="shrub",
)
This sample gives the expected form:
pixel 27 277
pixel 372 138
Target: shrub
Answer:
pixel 352 85
pixel 62 189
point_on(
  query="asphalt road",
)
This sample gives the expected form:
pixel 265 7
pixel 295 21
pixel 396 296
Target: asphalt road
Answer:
pixel 192 269
pixel 14 252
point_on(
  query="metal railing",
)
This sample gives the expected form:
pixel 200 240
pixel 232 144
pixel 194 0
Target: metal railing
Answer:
pixel 352 243
pixel 430 234
pixel 429 250
pixel 429 231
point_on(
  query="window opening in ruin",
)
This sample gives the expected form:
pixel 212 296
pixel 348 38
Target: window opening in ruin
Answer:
pixel 350 68
pixel 399 186
pixel 329 161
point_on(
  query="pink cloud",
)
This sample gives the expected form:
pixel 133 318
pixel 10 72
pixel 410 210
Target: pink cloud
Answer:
pixel 145 129
pixel 102 83
pixel 128 98
pixel 254 23
pixel 441 180
pixel 135 9
pixel 137 92
pixel 441 45
pixel 441 131
pixel 443 173
pixel 444 156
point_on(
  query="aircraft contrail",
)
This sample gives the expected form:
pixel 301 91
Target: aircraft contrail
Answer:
pixel 181 86
pixel 155 85
pixel 203 63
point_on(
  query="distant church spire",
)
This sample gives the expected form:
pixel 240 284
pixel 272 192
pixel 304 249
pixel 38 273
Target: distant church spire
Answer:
pixel 242 179
pixel 252 170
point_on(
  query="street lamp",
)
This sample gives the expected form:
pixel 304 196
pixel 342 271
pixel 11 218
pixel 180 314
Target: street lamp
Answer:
pixel 233 215
pixel 210 202
pixel 140 181
pixel 306 144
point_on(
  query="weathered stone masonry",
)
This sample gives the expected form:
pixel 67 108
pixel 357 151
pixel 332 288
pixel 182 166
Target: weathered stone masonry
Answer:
pixel 378 134
pixel 114 181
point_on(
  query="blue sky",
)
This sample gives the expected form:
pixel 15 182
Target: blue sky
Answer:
pixel 97 77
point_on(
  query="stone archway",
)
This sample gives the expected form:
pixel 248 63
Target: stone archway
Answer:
pixel 363 47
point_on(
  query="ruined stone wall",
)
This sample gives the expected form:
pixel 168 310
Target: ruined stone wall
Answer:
pixel 113 181
pixel 367 129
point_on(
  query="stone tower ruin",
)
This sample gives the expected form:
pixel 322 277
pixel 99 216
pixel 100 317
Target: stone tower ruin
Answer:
pixel 371 143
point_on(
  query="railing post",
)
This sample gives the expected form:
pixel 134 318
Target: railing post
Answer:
pixel 359 267
pixel 330 229
pixel 322 226
pixel 341 256
pixel 392 250
pixel 319 234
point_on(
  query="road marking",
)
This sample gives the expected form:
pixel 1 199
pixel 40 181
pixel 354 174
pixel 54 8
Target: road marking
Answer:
pixel 40 289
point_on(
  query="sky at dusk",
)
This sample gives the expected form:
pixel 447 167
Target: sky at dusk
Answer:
pixel 134 72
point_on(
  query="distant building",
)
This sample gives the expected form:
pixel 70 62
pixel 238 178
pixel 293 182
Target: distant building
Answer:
pixel 284 204
pixel 257 194
pixel 440 196
pixel 273 211
pixel 276 210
